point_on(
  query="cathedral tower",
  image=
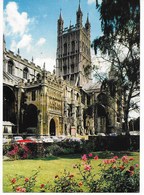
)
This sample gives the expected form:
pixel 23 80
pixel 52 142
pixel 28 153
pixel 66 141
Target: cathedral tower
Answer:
pixel 73 50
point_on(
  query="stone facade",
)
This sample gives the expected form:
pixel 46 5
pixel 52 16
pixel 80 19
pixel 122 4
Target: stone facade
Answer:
pixel 65 103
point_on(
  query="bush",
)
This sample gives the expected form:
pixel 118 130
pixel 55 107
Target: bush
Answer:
pixel 116 175
pixel 64 183
pixel 54 150
pixel 119 176
pixel 18 151
pixel 21 183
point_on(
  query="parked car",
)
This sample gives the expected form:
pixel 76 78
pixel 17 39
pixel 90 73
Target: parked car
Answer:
pixel 55 138
pixel 113 134
pixel 46 139
pixel 16 138
pixel 101 134
pixel 32 138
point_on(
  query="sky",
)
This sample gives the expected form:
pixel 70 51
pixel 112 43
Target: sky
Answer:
pixel 31 26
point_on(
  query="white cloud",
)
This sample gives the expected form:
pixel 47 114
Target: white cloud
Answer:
pixel 41 41
pixel 49 63
pixel 91 1
pixel 94 1
pixel 24 43
pixel 16 23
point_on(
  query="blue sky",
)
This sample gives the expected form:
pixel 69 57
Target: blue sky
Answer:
pixel 31 26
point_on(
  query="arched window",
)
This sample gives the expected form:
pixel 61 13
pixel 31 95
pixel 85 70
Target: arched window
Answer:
pixel 73 46
pixel 10 66
pixel 65 48
pixel 25 73
pixel 38 76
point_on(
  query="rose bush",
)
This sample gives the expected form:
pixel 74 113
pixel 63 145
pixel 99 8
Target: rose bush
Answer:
pixel 18 151
pixel 21 183
pixel 115 175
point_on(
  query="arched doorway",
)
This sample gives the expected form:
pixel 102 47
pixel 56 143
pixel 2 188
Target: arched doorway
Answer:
pixel 9 105
pixel 52 128
pixel 30 118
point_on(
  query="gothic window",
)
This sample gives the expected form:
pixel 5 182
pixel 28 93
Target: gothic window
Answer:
pixel 65 48
pixel 38 76
pixel 72 68
pixel 10 67
pixel 25 73
pixel 73 46
pixel 33 95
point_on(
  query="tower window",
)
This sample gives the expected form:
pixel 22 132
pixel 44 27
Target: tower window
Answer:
pixel 73 46
pixel 33 95
pixel 10 67
pixel 65 48
pixel 25 73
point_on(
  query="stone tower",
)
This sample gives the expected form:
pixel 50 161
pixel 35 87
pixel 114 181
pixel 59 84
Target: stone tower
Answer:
pixel 73 50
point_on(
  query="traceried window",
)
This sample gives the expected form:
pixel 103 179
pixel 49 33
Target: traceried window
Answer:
pixel 25 73
pixel 10 67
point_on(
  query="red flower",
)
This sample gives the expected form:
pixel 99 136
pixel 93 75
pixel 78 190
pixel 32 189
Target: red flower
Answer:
pixel 131 168
pixel 87 167
pixel 23 190
pixel 131 159
pixel 115 157
pixel 125 159
pixel 136 165
pixel 42 185
pixel 106 161
pixel 26 179
pixel 130 172
pixel 112 160
pixel 71 175
pixel 90 154
pixel 80 183
pixel 84 157
pixel 13 180
pixel 122 168
pixel 96 158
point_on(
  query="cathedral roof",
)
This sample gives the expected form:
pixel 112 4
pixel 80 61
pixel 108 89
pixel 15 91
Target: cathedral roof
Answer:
pixel 92 87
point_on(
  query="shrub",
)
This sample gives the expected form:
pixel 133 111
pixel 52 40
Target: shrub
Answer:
pixel 21 183
pixel 119 175
pixel 18 151
pixel 63 183
pixel 54 150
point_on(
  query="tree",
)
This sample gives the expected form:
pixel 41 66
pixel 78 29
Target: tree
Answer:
pixel 119 44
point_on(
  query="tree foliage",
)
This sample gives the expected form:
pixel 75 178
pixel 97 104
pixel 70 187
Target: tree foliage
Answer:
pixel 119 44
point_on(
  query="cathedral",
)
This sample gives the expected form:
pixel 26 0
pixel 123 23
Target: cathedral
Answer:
pixel 65 102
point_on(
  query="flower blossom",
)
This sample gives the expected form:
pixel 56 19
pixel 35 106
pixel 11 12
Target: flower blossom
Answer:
pixel 42 185
pixel 131 168
pixel 131 159
pixel 20 189
pixel 26 179
pixel 115 157
pixel 84 157
pixel 80 183
pixel 136 165
pixel 13 180
pixel 90 154
pixel 87 167
pixel 96 158
pixel 125 159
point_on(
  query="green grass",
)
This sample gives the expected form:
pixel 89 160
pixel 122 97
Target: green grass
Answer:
pixel 49 167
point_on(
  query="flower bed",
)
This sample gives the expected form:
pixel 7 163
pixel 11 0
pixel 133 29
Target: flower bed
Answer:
pixel 116 175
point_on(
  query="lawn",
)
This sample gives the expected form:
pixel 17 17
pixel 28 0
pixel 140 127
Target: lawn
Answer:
pixel 49 167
